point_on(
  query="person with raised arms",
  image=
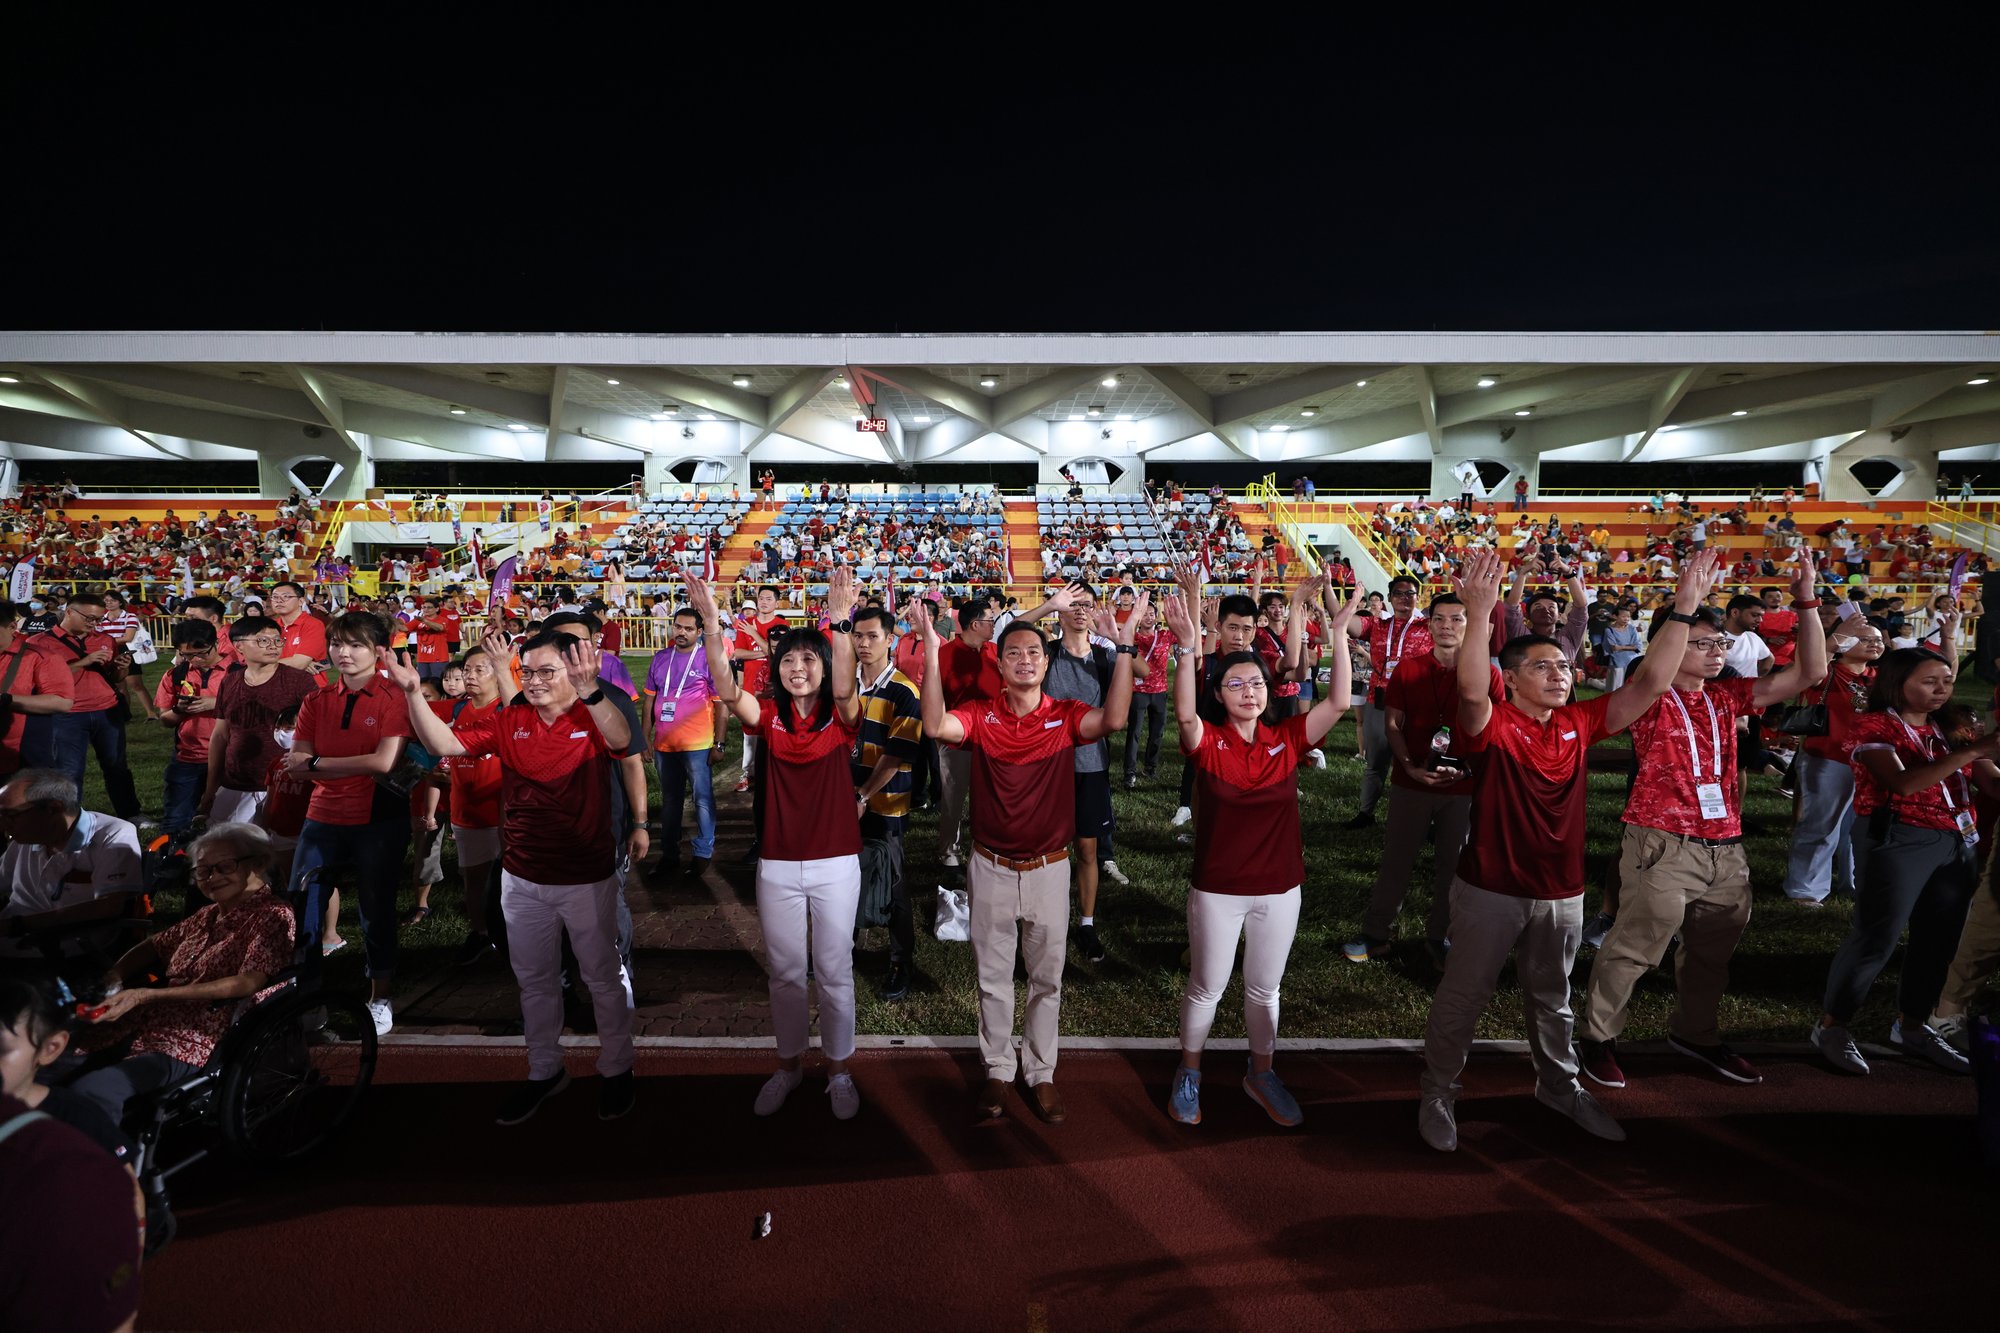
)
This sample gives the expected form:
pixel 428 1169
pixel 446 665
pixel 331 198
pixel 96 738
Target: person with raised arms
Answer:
pixel 809 866
pixel 1519 888
pixel 558 742
pixel 1023 820
pixel 1249 855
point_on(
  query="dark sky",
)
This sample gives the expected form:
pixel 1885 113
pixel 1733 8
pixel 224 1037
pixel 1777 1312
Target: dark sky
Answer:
pixel 778 170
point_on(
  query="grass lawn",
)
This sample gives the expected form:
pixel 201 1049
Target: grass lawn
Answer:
pixel 1776 981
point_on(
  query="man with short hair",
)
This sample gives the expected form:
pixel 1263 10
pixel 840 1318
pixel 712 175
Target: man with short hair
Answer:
pixel 64 866
pixel 95 666
pixel 1683 875
pixel 1228 625
pixel 305 635
pixel 1519 888
pixel 248 705
pixel 556 741
pixel 971 675
pixel 1392 640
pixel 1149 695
pixel 215 611
pixel 33 689
pixel 1543 614
pixel 1021 771
pixel 186 700
pixel 1430 792
pixel 887 749
pixel 434 631
pixel 1080 670
pixel 754 636
pixel 687 733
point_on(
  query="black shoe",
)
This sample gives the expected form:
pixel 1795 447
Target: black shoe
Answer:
pixel 478 944
pixel 527 1098
pixel 1151 773
pixel 698 867
pixel 664 870
pixel 897 984
pixel 1088 945
pixel 1364 819
pixel 615 1095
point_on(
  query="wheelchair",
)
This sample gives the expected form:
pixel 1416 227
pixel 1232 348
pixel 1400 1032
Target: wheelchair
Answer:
pixel 286 1078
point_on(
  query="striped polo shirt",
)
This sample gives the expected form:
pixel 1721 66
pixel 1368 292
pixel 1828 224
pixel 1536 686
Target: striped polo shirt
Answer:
pixel 892 722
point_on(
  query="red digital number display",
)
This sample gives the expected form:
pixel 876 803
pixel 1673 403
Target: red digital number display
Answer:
pixel 873 425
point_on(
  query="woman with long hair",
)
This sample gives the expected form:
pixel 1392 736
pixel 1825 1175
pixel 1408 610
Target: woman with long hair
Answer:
pixel 475 788
pixel 1249 855
pixel 1914 835
pixel 1822 856
pixel 809 855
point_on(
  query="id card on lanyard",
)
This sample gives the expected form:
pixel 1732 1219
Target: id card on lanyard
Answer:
pixel 1707 794
pixel 670 697
pixel 1961 814
pixel 1393 646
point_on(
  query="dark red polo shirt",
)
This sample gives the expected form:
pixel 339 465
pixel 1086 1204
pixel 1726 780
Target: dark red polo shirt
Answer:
pixel 339 723
pixel 1023 774
pixel 1246 820
pixel 810 808
pixel 555 791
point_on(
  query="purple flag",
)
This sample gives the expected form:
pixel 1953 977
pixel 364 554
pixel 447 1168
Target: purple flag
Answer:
pixel 503 582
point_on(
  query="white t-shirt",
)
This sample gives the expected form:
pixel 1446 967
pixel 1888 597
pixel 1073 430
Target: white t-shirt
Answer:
pixel 1745 652
pixel 101 858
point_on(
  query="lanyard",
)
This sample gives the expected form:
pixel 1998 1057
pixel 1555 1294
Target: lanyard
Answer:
pixel 673 690
pixel 1394 649
pixel 1923 744
pixel 1714 733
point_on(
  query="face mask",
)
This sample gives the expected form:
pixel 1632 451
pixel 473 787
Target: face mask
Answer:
pixel 902 627
pixel 1843 642
pixel 283 736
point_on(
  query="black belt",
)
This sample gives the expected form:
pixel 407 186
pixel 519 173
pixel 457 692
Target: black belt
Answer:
pixel 1706 842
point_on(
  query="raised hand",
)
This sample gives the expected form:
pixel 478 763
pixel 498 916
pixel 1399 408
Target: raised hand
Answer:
pixel 1189 579
pixel 1698 580
pixel 1211 611
pixel 1339 610
pixel 840 595
pixel 1104 623
pixel 1062 598
pixel 499 646
pixel 1479 586
pixel 1307 591
pixel 580 664
pixel 1803 575
pixel 404 678
pixel 700 598
pixel 1175 608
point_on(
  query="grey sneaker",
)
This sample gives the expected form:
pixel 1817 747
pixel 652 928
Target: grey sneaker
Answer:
pixel 1581 1107
pixel 1920 1041
pixel 1955 1032
pixel 1435 1123
pixel 1269 1092
pixel 1112 872
pixel 1836 1044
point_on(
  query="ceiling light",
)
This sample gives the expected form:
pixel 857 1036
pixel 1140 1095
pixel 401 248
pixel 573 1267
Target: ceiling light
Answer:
pixel 706 416
pixel 457 411
pixel 670 409
pixel 515 425
pixel 1309 411
pixel 923 421
pixel 1361 384
pixel 1665 429
pixel 1124 416
pixel 1076 416
pixel 840 381
pixel 1980 380
pixel 1740 412
pixel 1487 381
pixel 613 383
pixel 1096 410
pixel 663 416
pixel 1523 412
pixel 1281 426
pixel 741 381
pixel 496 377
pixel 988 382
pixel 1110 381
pixel 10 378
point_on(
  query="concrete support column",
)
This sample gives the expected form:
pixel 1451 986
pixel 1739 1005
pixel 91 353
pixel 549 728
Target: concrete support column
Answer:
pixel 357 469
pixel 1912 453
pixel 1480 442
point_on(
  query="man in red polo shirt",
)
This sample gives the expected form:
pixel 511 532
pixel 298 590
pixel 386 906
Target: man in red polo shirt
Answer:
pixel 93 662
pixel 969 674
pixel 1392 640
pixel 1022 750
pixel 1779 628
pixel 1430 792
pixel 1520 878
pixel 435 631
pixel 558 742
pixel 305 635
pixel 754 652
pixel 1683 872
pixel 35 687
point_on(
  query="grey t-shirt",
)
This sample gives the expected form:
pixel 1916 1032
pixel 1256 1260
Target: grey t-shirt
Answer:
pixel 1076 678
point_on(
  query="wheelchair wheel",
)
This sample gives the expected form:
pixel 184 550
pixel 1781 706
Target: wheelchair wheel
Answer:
pixel 297 1076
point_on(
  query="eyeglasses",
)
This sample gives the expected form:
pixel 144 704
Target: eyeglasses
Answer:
pixel 214 868
pixel 1238 686
pixel 541 673
pixel 266 641
pixel 1710 645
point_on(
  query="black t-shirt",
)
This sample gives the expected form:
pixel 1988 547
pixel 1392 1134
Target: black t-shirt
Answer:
pixel 39 623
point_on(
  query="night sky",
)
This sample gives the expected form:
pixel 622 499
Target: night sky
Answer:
pixel 779 170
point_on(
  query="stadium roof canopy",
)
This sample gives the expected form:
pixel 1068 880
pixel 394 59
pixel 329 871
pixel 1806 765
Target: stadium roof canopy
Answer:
pixel 1282 399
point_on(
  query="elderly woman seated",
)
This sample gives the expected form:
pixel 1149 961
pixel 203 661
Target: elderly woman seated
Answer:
pixel 145 1038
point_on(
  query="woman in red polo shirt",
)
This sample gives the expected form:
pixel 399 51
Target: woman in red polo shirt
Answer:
pixel 475 788
pixel 348 735
pixel 809 862
pixel 1249 857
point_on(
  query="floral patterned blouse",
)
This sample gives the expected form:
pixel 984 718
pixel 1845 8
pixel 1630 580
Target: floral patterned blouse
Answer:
pixel 251 933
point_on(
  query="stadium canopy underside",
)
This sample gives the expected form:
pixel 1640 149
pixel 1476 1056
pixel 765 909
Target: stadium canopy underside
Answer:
pixel 918 405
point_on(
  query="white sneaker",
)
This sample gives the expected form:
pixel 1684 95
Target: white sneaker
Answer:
pixel 1316 757
pixel 384 1018
pixel 1581 1107
pixel 1954 1032
pixel 1111 868
pixel 845 1096
pixel 1920 1041
pixel 1181 816
pixel 950 861
pixel 1837 1045
pixel 1435 1123
pixel 776 1088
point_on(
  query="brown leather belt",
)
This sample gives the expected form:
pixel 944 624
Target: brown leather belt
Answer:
pixel 1021 867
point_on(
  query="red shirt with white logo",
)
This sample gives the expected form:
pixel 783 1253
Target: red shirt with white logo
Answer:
pixel 1665 795
pixel 1023 774
pixel 1780 631
pixel 1393 642
pixel 305 637
pixel 1426 690
pixel 757 670
pixel 1246 809
pixel 1529 787
pixel 475 778
pixel 92 692
pixel 809 801
pixel 339 723
pixel 434 645
pixel 1156 650
pixel 555 790
pixel 1936 806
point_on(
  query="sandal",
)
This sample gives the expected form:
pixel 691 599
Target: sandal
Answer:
pixel 415 917
pixel 330 947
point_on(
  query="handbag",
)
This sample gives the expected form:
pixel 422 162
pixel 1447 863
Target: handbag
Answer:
pixel 878 882
pixel 144 651
pixel 1809 719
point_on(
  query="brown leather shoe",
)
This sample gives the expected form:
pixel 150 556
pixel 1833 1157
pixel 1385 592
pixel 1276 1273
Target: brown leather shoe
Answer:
pixel 991 1103
pixel 1046 1103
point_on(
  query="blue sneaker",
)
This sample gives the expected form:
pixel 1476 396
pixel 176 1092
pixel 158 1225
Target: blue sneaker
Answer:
pixel 1269 1092
pixel 1184 1102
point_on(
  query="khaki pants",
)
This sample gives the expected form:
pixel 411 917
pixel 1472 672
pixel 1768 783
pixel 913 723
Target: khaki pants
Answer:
pixel 1978 956
pixel 1542 934
pixel 1671 885
pixel 1033 907
pixel 1413 815
pixel 954 781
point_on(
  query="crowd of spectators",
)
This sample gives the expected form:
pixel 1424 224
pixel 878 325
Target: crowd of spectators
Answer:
pixel 231 548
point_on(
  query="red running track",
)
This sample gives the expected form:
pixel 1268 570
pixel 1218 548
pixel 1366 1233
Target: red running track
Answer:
pixel 1811 1201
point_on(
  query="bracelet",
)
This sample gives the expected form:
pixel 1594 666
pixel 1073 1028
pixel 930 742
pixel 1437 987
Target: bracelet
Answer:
pixel 1684 617
pixel 1182 650
pixel 1809 605
pixel 596 697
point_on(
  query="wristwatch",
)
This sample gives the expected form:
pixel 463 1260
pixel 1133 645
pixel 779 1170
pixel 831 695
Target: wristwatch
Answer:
pixel 1684 617
pixel 842 627
pixel 312 764
pixel 1182 650
pixel 1130 649
pixel 594 698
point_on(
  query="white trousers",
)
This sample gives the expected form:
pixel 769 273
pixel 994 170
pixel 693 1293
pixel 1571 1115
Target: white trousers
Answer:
pixel 1267 922
pixel 536 916
pixel 798 901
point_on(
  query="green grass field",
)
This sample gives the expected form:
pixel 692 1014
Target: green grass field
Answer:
pixel 1775 987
